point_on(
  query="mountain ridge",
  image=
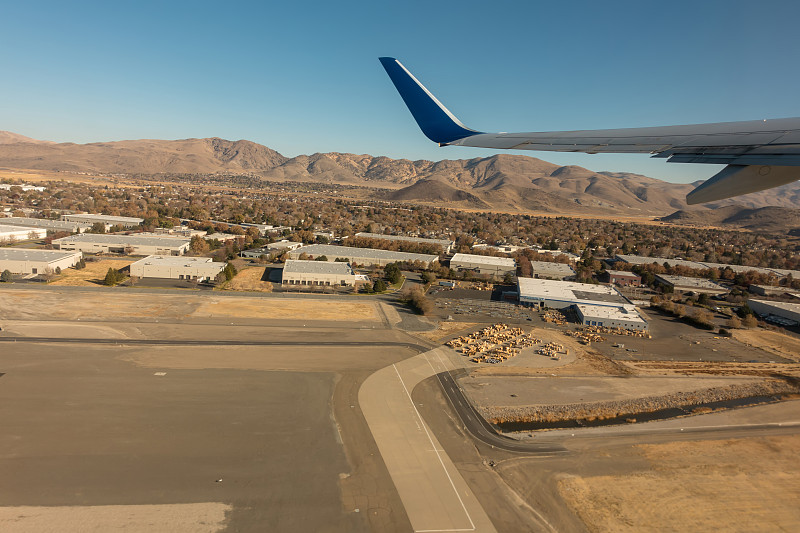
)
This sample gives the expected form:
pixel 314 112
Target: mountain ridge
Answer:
pixel 502 181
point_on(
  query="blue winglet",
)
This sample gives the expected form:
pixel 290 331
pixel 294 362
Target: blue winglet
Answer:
pixel 436 122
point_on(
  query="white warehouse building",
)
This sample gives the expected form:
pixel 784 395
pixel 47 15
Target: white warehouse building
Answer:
pixel 25 261
pixel 623 316
pixel 108 220
pixel 127 244
pixel 20 233
pixel 321 273
pixel 171 267
pixel 563 294
pixel 788 313
pixel 483 264
pixel 361 256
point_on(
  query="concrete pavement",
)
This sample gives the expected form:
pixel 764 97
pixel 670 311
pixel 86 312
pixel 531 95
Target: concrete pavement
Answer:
pixel 433 492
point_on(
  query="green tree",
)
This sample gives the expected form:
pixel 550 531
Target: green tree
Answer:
pixel 113 276
pixel 379 286
pixel 321 258
pixel 5 276
pixel 392 273
pixel 229 271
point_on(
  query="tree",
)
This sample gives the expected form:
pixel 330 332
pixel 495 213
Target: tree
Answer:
pixel 428 277
pixel 229 271
pixel 417 300
pixel 81 264
pixel 392 273
pixel 198 245
pixel 750 321
pixel 379 286
pixel 97 227
pixel 321 258
pixel 734 322
pixel 113 276
pixel 5 276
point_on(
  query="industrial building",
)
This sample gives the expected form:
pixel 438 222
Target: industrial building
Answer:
pixel 52 226
pixel 108 220
pixel 20 233
pixel 621 278
pixel 317 273
pixel 701 265
pixel 444 244
pixel 563 294
pixel 773 290
pixel 171 267
pixel 25 261
pixel 686 284
pixel 546 270
pixel 360 256
pixel 127 244
pixel 272 248
pixel 621 316
pixel 782 313
pixel 483 264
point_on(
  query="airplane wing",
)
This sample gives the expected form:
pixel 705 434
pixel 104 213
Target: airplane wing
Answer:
pixel 759 154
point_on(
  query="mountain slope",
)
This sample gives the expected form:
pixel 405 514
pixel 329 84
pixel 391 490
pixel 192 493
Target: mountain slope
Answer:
pixel 503 181
pixel 770 219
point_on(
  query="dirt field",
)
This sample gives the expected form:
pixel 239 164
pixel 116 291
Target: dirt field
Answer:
pixel 177 518
pixel 294 309
pixel 249 279
pixel 93 274
pixel 732 485
pixel 446 329
pixel 125 303
pixel 770 341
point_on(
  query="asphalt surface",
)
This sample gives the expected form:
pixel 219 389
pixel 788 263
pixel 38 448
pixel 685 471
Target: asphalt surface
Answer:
pixel 481 429
pixel 209 342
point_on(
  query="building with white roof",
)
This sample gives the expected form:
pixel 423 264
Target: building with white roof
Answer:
pixel 788 313
pixel 108 220
pixel 317 273
pixel 444 244
pixel 686 284
pixel 25 261
pixel 50 225
pixel 360 256
pixel 172 267
pixel 621 316
pixel 547 270
pixel 563 294
pixel 125 244
pixel 483 264
pixel 20 233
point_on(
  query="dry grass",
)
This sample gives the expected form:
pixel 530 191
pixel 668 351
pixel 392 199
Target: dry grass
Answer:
pixel 93 274
pixel 249 279
pixel 735 485
pixel 770 341
pixel 311 309
pixel 183 517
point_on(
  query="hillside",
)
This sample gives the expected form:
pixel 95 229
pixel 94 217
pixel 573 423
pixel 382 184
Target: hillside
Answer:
pixel 503 181
pixel 767 219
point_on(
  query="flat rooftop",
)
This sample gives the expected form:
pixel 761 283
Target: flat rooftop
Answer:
pixel 104 218
pixel 298 266
pixel 485 259
pixel 641 260
pixel 440 242
pixel 621 273
pixel 568 291
pixel 16 229
pixel 134 240
pixel 43 223
pixel 623 312
pixel 786 306
pixel 25 254
pixel 178 261
pixel 552 267
pixel 694 283
pixel 351 252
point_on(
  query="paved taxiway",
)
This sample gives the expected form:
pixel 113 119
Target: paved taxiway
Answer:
pixel 434 494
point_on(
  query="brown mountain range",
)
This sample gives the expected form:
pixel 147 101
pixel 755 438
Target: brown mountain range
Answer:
pixel 508 182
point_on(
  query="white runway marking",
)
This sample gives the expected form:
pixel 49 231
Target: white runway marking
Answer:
pixel 438 455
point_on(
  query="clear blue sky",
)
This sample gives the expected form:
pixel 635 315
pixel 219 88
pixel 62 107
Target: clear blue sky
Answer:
pixel 304 77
